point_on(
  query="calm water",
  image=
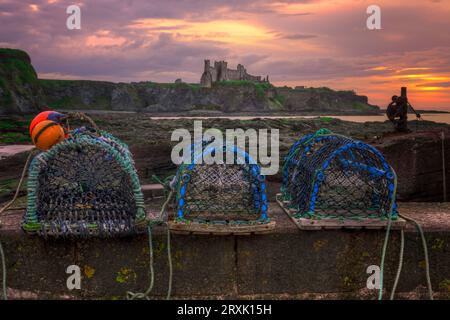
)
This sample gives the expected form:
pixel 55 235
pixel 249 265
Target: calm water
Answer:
pixel 436 117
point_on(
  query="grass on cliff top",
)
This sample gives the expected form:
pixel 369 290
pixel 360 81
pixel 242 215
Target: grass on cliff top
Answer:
pixel 260 87
pixel 193 86
pixel 361 106
pixel 21 71
pixel 15 72
pixel 66 82
pixel 14 53
pixel 321 90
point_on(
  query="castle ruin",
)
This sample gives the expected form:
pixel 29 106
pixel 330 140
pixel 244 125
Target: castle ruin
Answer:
pixel 220 72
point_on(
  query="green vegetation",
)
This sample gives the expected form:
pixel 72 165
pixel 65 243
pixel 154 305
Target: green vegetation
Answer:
pixel 280 98
pixel 61 103
pixel 14 130
pixel 260 87
pixel 16 76
pixel 14 137
pixel 16 69
pixel 14 53
pixel 8 188
pixel 192 86
pixel 325 119
pixel 325 90
pixel 55 83
pixel 361 106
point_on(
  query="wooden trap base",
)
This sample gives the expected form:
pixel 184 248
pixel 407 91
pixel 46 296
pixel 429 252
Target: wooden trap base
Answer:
pixel 333 223
pixel 220 229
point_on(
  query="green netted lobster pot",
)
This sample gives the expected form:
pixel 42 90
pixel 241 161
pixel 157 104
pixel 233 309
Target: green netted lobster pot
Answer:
pixel 86 185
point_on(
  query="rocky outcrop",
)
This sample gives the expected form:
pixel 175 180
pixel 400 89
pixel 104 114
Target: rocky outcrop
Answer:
pixel 418 159
pixel 226 96
pixel 20 92
pixel 325 100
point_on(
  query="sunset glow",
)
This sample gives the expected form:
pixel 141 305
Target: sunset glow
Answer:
pixel 297 43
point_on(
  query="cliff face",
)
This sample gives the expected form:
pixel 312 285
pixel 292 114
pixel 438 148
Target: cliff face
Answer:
pixel 20 91
pixel 227 97
pixel 325 100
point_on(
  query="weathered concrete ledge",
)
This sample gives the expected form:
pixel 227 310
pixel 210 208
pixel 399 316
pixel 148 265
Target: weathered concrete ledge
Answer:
pixel 286 264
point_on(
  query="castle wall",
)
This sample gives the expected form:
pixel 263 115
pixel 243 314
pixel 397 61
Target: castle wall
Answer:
pixel 213 72
pixel 220 72
pixel 252 78
pixel 233 75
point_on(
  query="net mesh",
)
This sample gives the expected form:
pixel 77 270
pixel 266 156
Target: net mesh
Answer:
pixel 333 176
pixel 221 192
pixel 85 185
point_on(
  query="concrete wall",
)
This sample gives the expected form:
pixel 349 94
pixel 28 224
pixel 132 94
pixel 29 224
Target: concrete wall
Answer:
pixel 287 264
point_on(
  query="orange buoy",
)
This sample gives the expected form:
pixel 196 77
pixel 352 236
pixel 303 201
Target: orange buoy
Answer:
pixel 45 115
pixel 46 134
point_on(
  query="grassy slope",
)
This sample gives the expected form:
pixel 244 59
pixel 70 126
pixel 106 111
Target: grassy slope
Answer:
pixel 15 72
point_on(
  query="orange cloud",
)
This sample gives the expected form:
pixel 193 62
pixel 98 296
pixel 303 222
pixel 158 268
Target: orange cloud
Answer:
pixel 34 7
pixel 227 31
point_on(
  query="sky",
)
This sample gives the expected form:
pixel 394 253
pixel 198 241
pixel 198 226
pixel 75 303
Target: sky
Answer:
pixel 297 43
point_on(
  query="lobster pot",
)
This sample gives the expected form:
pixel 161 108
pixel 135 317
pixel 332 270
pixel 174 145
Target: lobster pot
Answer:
pixel 332 176
pixel 221 193
pixel 85 185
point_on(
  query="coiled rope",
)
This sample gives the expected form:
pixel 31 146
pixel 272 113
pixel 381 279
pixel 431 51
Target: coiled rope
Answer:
pixel 162 219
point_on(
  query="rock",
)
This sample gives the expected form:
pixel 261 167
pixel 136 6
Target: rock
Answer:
pixel 20 92
pixel 179 97
pixel 417 160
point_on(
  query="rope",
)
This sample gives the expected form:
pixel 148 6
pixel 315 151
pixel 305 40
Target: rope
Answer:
pixel 22 177
pixel 3 209
pixel 83 117
pixel 144 295
pixel 2 255
pixel 402 249
pixel 400 263
pixel 425 251
pixel 444 180
pixel 383 255
pixel 386 239
pixel 159 220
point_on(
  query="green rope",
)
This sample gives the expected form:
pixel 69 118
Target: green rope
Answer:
pixel 145 295
pixel 2 255
pixel 402 249
pixel 400 263
pixel 386 239
pixel 425 252
pixel 159 220
pixel 16 194
pixel 383 254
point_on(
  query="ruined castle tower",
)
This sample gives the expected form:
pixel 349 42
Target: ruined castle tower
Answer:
pixel 220 72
